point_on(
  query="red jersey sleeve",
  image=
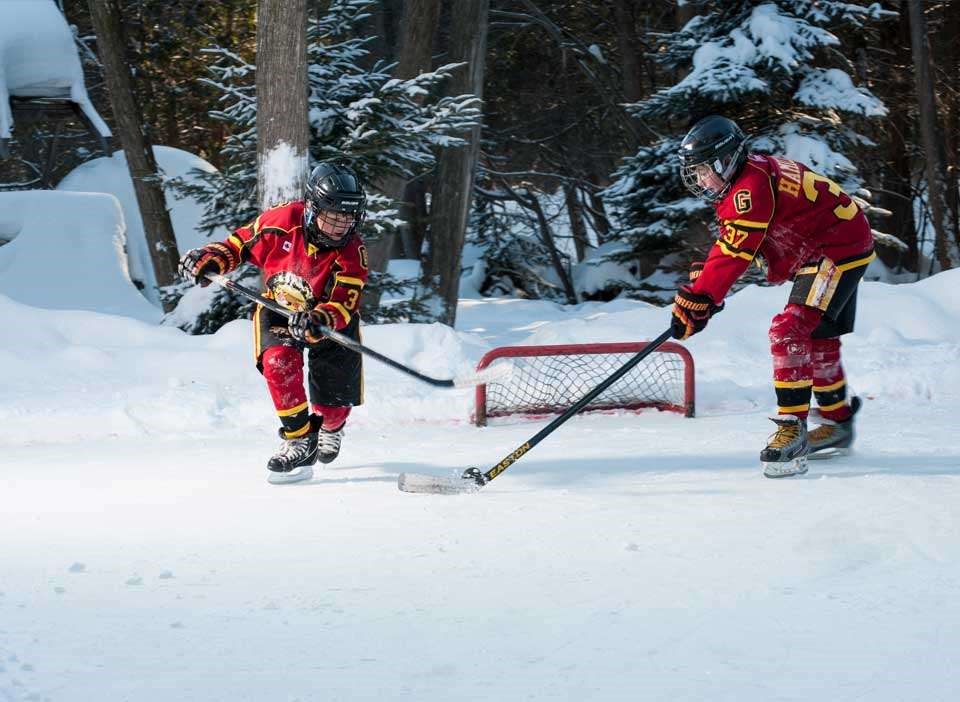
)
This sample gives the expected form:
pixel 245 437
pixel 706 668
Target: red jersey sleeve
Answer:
pixel 349 276
pixel 743 214
pixel 249 242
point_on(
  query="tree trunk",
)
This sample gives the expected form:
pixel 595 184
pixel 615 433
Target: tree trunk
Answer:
pixel 631 49
pixel 417 29
pixel 898 192
pixel 577 226
pixel 380 29
pixel 455 171
pixel 951 54
pixel 414 215
pixel 597 210
pixel 686 12
pixel 546 236
pixel 283 135
pixel 418 26
pixel 947 249
pixel 161 241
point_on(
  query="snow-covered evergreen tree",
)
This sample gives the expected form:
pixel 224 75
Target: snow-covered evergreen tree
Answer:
pixel 378 124
pixel 511 258
pixel 777 68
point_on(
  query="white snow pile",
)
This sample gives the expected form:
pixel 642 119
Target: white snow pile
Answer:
pixel 38 58
pixel 66 251
pixel 110 175
pixel 150 379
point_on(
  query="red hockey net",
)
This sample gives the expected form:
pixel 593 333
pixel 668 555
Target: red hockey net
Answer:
pixel 549 379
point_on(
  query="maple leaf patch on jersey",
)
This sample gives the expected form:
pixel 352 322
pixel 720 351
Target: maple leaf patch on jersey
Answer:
pixel 291 291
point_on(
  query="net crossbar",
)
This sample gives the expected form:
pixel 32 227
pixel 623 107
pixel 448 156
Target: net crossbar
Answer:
pixel 549 379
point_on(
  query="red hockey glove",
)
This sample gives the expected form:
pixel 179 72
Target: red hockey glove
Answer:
pixel 212 258
pixel 691 312
pixel 303 326
pixel 696 268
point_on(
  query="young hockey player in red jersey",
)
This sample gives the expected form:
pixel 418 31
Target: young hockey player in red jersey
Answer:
pixel 799 226
pixel 314 263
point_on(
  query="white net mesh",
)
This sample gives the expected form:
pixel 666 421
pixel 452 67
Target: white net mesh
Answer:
pixel 555 378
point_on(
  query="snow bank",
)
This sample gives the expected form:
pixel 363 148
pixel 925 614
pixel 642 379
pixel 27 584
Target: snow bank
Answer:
pixel 66 252
pixel 38 58
pixel 107 375
pixel 110 175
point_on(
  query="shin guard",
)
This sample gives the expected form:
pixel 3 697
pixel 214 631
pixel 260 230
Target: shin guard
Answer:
pixel 829 382
pixel 282 368
pixel 791 346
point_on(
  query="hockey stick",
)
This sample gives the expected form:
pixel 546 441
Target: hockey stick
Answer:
pixel 497 373
pixel 472 479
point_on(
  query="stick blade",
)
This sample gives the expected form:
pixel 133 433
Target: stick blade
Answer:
pixel 497 373
pixel 436 484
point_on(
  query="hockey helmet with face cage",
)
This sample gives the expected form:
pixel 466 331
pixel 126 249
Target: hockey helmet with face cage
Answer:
pixel 334 205
pixel 712 155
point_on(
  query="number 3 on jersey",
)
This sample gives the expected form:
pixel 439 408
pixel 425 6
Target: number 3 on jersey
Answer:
pixel 352 297
pixel 810 180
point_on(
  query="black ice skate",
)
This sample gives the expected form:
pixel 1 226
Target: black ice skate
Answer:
pixel 786 452
pixel 833 438
pixel 294 461
pixel 330 444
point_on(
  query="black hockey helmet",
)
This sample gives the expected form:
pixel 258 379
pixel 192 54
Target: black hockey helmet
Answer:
pixel 332 188
pixel 714 144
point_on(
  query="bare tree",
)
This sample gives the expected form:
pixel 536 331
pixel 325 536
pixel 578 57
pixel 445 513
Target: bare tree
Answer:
pixel 455 171
pixel 943 221
pixel 951 81
pixel 161 241
pixel 418 25
pixel 283 134
pixel 577 226
pixel 898 191
pixel 529 200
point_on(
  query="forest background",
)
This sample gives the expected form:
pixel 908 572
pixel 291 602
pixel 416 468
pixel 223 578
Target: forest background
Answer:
pixel 528 146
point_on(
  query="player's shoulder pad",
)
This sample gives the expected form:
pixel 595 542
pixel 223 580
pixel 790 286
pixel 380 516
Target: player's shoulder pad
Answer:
pixel 355 250
pixel 282 218
pixel 749 204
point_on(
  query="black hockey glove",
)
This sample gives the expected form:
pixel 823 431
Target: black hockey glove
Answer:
pixel 212 258
pixel 303 326
pixel 691 312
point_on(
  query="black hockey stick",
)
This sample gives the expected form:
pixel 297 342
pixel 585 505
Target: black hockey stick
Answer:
pixel 497 373
pixel 472 479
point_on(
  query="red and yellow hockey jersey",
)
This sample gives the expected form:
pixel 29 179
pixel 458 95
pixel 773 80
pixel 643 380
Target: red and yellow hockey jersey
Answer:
pixel 785 215
pixel 299 275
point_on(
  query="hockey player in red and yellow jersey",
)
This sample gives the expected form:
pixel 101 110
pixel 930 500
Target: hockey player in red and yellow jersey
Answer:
pixel 799 226
pixel 315 264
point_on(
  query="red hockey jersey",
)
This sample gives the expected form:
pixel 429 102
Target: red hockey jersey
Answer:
pixel 783 214
pixel 299 275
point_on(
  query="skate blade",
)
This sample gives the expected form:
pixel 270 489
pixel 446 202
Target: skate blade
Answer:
pixel 435 484
pixel 784 469
pixel 297 475
pixel 824 454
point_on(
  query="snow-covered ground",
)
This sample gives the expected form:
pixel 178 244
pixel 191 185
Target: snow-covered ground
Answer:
pixel 143 556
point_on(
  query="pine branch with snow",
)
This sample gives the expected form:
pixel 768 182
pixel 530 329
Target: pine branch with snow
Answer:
pixel 382 126
pixel 777 68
